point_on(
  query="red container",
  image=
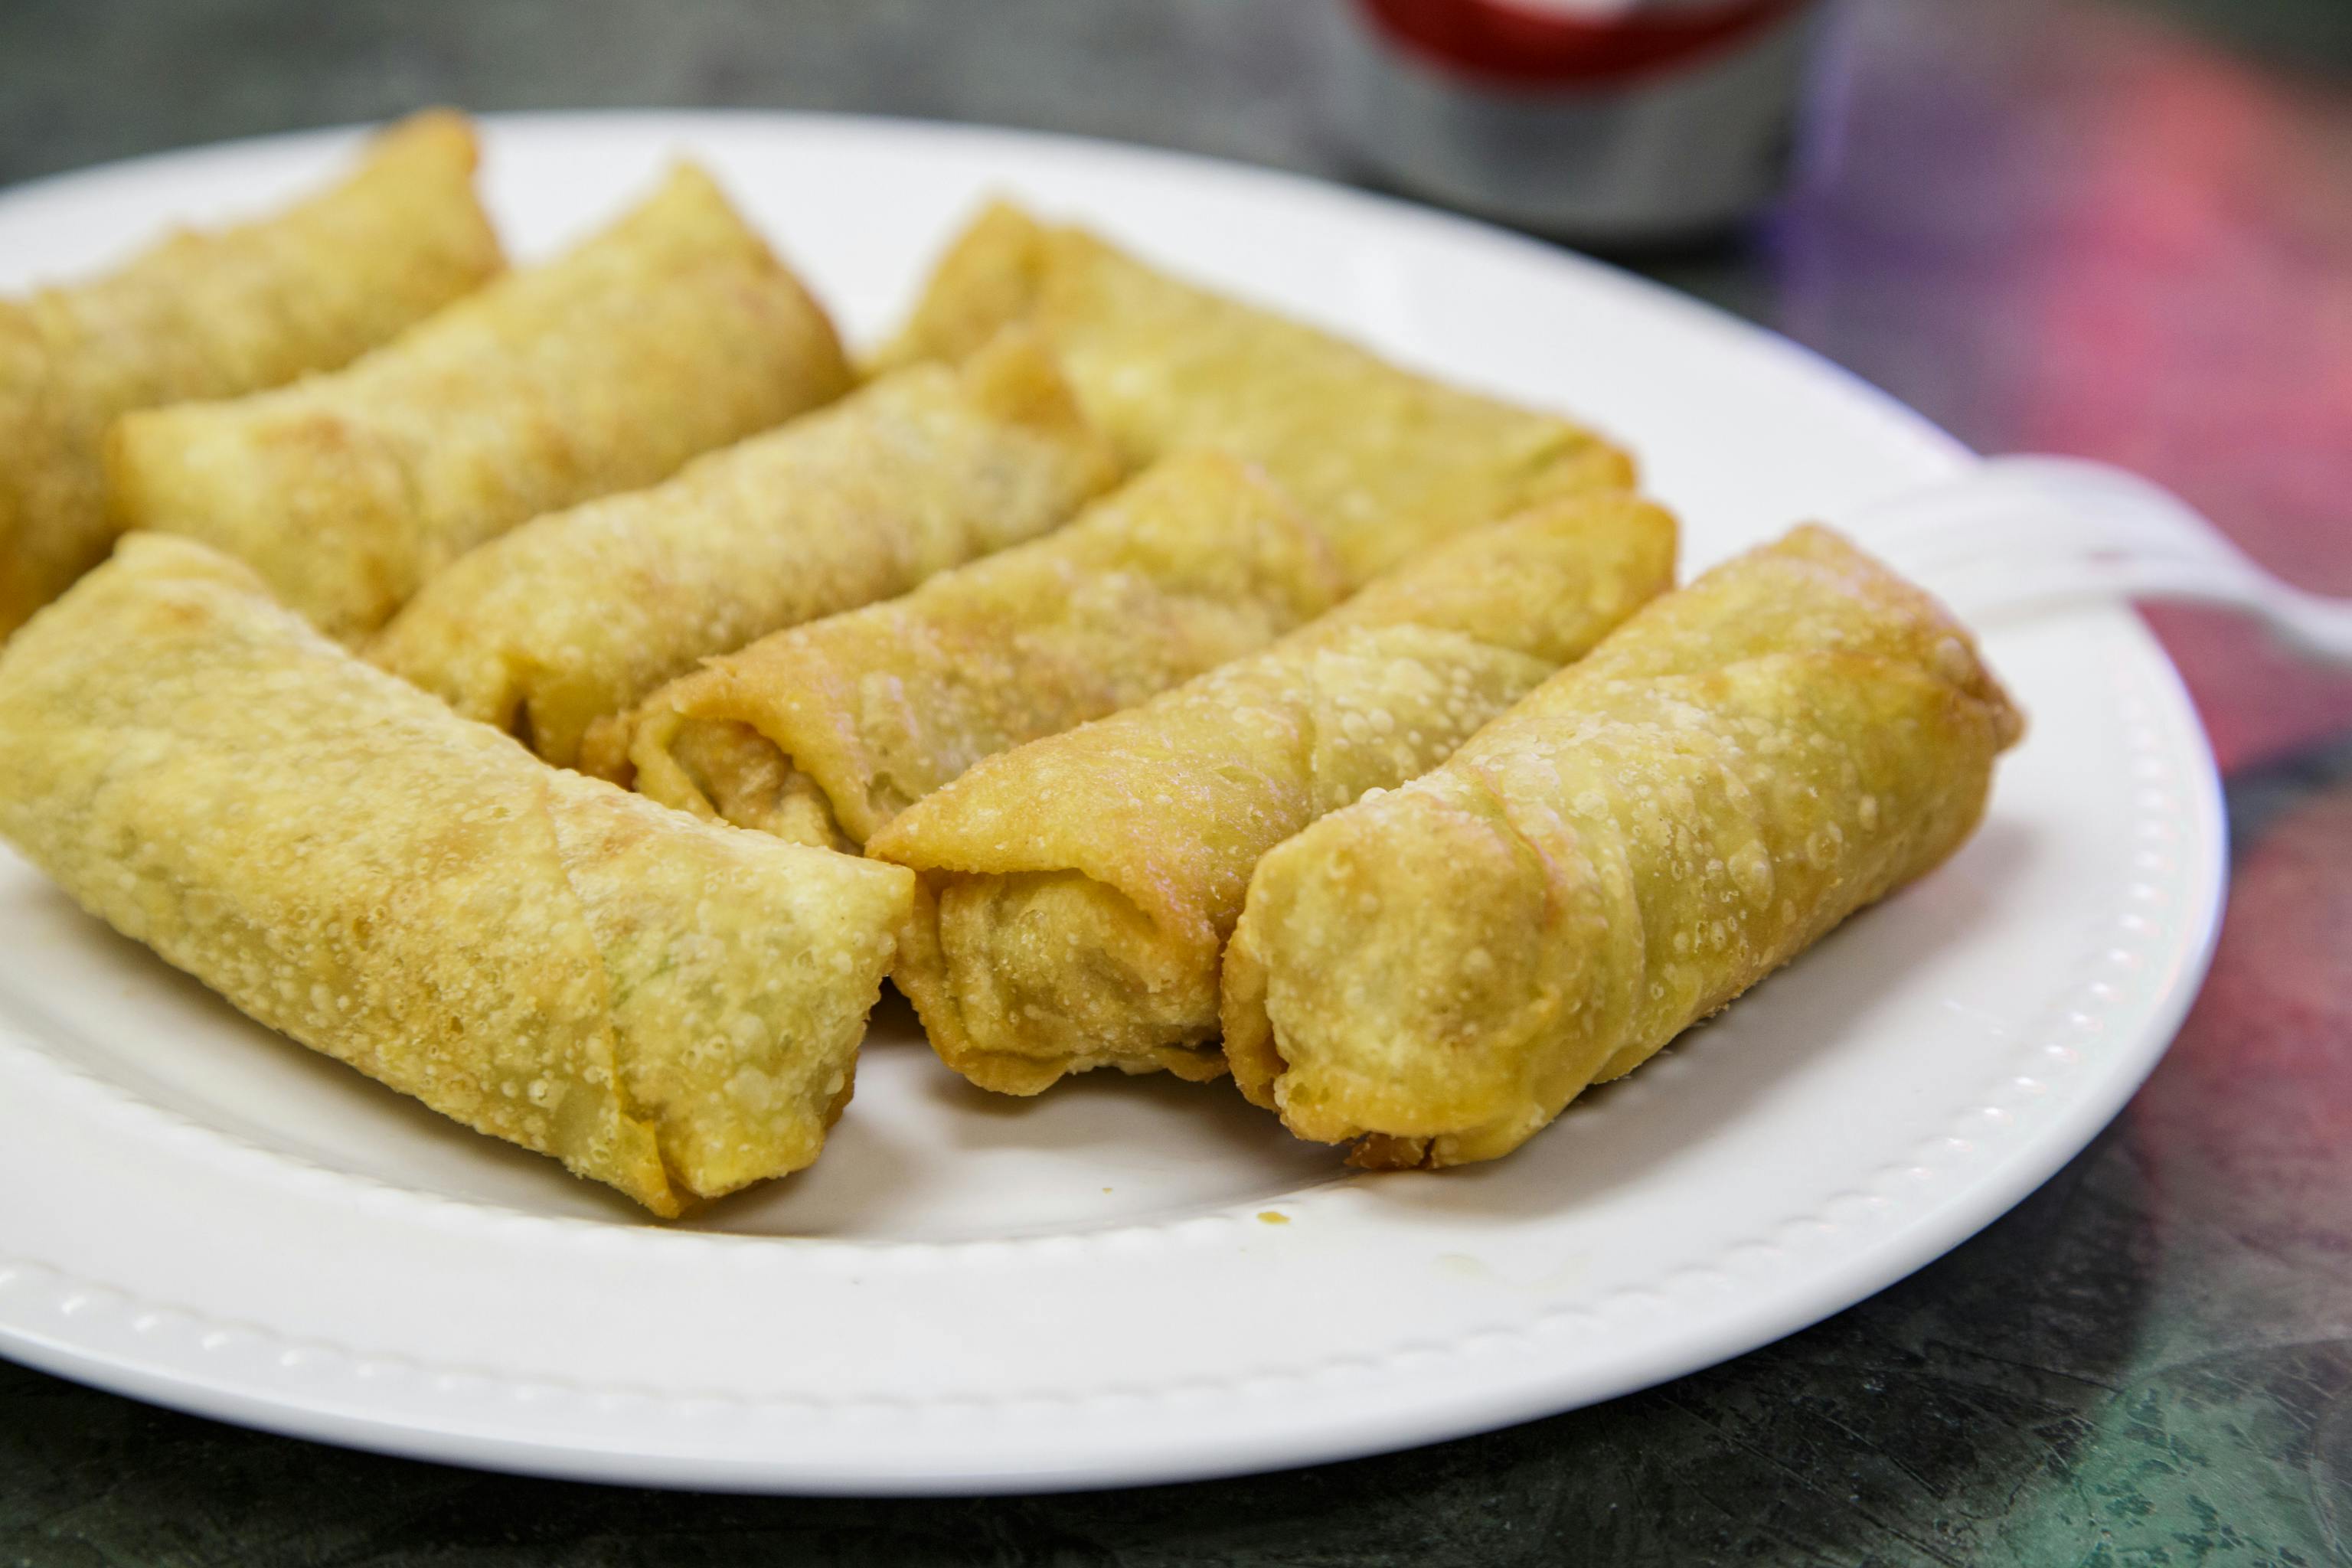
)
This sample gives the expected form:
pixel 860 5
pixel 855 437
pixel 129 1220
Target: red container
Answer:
pixel 1609 119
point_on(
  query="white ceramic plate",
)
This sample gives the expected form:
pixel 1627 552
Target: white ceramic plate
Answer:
pixel 1122 1281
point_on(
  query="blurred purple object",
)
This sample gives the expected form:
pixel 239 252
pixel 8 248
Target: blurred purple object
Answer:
pixel 1609 120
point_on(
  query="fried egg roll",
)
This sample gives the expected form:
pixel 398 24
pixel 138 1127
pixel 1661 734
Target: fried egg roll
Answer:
pixel 1384 460
pixel 1077 891
pixel 671 332
pixel 663 1006
pixel 824 733
pixel 217 314
pixel 578 615
pixel 1434 972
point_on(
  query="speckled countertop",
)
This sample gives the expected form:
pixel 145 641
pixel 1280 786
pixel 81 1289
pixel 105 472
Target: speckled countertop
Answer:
pixel 2120 230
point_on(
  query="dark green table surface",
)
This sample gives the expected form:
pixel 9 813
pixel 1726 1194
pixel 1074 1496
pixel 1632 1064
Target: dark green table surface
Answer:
pixel 2058 224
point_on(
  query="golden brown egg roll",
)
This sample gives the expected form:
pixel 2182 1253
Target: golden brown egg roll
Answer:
pixel 823 733
pixel 578 615
pixel 1077 891
pixel 214 315
pixel 664 1007
pixel 673 331
pixel 1434 973
pixel 1384 460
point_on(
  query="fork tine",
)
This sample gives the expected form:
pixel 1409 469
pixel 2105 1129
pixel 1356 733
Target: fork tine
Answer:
pixel 2017 535
pixel 2038 536
pixel 2011 542
pixel 2028 509
pixel 1992 597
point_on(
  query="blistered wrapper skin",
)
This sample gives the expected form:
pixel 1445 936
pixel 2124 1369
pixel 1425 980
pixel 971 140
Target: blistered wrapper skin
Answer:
pixel 1386 461
pixel 823 733
pixel 664 1007
pixel 1079 891
pixel 673 331
pixel 217 314
pixel 576 615
pixel 1435 972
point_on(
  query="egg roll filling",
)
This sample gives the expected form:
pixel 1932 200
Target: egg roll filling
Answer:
pixel 1054 972
pixel 727 771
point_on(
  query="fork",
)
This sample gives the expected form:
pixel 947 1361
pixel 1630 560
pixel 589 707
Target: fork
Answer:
pixel 2021 534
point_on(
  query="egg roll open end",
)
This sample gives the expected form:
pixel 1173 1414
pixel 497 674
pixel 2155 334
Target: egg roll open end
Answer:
pixel 724 770
pixel 1417 1046
pixel 1006 1006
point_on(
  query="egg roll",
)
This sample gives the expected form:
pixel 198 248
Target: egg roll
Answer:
pixel 1077 891
pixel 664 1007
pixel 576 615
pixel 1433 973
pixel 824 733
pixel 1385 461
pixel 673 331
pixel 216 314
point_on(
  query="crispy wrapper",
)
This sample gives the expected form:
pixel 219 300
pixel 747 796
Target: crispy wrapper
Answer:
pixel 671 332
pixel 1077 891
pixel 1435 972
pixel 578 615
pixel 663 1006
pixel 823 733
pixel 1384 460
pixel 215 315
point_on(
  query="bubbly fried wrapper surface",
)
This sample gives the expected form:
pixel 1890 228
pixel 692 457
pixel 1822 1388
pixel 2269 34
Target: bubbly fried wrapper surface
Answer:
pixel 1434 973
pixel 824 733
pixel 219 314
pixel 1079 890
pixel 667 1008
pixel 672 332
pixel 1385 460
pixel 578 615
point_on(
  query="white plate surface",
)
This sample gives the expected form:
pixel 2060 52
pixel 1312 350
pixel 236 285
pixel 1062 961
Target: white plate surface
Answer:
pixel 1121 1281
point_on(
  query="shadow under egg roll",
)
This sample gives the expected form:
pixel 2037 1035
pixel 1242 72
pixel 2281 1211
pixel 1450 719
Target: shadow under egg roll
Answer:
pixel 670 332
pixel 216 314
pixel 824 733
pixel 578 615
pixel 663 1006
pixel 1434 973
pixel 1077 891
pixel 1385 461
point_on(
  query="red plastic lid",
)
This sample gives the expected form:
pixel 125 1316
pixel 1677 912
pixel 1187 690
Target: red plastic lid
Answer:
pixel 1529 46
